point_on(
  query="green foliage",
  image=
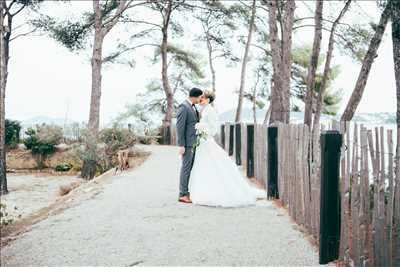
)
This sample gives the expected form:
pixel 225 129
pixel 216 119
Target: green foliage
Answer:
pixel 64 167
pixel 103 150
pixel 218 23
pixel 354 40
pixel 301 61
pixel 73 34
pixel 12 133
pixel 261 87
pixel 5 217
pixel 182 59
pixel 114 139
pixel 42 141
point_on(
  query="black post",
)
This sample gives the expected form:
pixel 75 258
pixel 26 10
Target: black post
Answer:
pixel 331 142
pixel 273 162
pixel 250 150
pixel 231 139
pixel 231 132
pixel 165 138
pixel 238 143
pixel 223 136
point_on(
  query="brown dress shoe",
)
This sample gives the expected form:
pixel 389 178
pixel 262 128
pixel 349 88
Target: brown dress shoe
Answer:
pixel 184 199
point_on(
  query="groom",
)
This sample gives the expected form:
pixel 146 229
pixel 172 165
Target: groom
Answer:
pixel 187 117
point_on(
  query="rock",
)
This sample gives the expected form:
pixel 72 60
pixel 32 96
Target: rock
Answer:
pixel 62 147
pixel 21 146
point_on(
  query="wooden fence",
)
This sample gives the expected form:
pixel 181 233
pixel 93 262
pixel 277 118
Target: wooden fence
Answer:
pixel 369 186
pixel 370 225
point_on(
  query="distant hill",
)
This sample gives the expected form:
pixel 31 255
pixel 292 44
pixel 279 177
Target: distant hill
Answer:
pixel 382 118
pixel 46 120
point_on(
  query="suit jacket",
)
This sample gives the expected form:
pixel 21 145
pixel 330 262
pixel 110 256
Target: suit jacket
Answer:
pixel 186 119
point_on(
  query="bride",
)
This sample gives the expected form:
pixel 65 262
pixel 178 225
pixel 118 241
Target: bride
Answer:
pixel 215 179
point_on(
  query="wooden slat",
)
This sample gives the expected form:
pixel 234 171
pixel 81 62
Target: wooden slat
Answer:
pixel 381 203
pixel 355 201
pixel 363 209
pixel 396 212
pixel 390 199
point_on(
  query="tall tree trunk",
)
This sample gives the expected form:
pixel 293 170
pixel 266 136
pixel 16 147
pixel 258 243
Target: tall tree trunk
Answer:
pixel 3 174
pixel 288 21
pixel 268 113
pixel 281 52
pixel 313 63
pixel 366 66
pixel 101 29
pixel 211 63
pixel 244 63
pixel 396 59
pixel 89 164
pixel 164 67
pixel 276 102
pixel 327 68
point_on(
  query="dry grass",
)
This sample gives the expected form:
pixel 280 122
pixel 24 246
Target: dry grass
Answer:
pixel 67 193
pixel 65 189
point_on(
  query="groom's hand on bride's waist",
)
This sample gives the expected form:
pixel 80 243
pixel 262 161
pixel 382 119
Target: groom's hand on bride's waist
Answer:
pixel 181 150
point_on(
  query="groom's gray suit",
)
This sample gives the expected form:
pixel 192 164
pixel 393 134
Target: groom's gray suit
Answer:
pixel 187 117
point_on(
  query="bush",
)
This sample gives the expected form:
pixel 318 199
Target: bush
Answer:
pixel 12 132
pixel 42 141
pixel 64 167
pixel 114 139
pixel 5 217
pixel 103 150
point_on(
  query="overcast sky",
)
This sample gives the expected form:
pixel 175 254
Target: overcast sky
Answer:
pixel 47 79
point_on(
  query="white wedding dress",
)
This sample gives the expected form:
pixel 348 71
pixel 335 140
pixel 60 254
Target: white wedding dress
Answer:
pixel 215 179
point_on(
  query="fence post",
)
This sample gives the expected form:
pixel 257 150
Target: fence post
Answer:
pixel 166 135
pixel 273 162
pixel 223 136
pixel 238 143
pixel 331 142
pixel 231 133
pixel 250 150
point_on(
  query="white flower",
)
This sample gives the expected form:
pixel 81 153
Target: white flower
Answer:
pixel 201 128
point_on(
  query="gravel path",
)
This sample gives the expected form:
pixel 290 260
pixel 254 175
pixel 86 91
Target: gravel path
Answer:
pixel 136 220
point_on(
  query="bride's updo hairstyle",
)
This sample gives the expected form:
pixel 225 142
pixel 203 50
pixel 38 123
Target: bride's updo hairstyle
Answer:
pixel 210 95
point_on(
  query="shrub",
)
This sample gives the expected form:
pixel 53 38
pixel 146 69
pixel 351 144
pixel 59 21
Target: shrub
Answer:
pixel 64 167
pixel 114 139
pixel 12 132
pixel 103 150
pixel 5 217
pixel 42 141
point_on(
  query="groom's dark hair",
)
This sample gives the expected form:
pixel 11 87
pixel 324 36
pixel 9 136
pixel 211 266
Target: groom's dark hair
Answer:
pixel 195 92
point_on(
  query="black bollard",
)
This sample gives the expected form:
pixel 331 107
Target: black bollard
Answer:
pixel 238 143
pixel 273 162
pixel 331 141
pixel 223 136
pixel 231 132
pixel 166 135
pixel 250 150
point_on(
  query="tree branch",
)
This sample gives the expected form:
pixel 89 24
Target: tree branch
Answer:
pixel 262 48
pixel 19 10
pixel 23 34
pixel 141 22
pixel 122 7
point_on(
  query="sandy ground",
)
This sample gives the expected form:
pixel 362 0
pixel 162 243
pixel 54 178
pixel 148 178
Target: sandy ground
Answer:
pixel 136 220
pixel 30 193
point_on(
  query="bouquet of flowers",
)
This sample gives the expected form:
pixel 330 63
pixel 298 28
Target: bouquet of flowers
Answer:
pixel 201 134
